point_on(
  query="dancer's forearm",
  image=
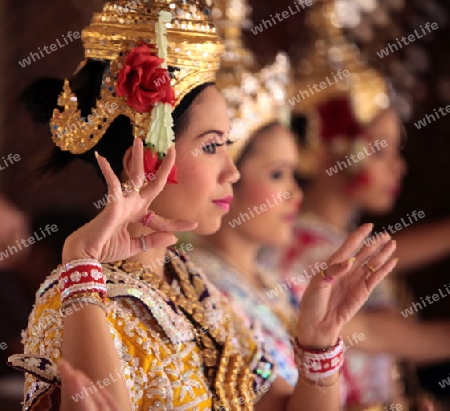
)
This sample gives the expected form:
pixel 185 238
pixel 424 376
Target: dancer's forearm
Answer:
pixel 304 397
pixel 422 244
pixel 388 332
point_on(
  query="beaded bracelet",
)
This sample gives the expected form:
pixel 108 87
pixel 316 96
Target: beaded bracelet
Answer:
pixel 317 364
pixel 81 276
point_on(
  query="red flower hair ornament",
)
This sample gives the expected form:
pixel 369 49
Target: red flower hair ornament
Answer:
pixel 343 135
pixel 338 120
pixel 144 82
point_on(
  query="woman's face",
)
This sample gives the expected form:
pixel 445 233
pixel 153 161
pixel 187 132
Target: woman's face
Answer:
pixel 385 167
pixel 205 172
pixel 267 198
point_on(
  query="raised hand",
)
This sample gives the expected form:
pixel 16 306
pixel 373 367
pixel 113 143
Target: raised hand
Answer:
pixel 332 300
pixel 106 238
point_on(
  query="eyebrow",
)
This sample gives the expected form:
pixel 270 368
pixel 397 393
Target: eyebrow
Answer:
pixel 221 133
pixel 283 163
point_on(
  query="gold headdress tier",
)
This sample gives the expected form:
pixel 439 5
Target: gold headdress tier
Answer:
pixel 332 67
pixel 193 46
pixel 180 32
pixel 255 96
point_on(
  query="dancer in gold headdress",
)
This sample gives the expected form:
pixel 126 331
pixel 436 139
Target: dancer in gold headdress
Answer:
pixel 257 102
pixel 169 340
pixel 351 157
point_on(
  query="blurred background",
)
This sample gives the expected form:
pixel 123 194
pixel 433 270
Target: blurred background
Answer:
pixel 420 73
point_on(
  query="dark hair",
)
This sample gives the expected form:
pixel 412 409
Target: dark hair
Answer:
pixel 250 146
pixel 41 97
pixel 299 127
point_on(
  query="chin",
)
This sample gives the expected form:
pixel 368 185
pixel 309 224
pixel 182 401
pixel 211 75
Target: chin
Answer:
pixel 381 208
pixel 285 240
pixel 208 225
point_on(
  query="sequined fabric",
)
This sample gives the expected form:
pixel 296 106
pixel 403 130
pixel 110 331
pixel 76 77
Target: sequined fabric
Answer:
pixel 257 307
pixel 161 361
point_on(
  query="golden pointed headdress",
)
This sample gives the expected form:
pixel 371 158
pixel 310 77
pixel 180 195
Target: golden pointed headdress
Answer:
pixel 180 32
pixel 255 96
pixel 332 68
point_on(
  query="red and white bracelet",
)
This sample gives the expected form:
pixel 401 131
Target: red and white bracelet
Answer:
pixel 81 276
pixel 317 364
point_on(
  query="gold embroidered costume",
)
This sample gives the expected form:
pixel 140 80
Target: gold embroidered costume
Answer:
pixel 156 340
pixel 256 97
pixel 180 345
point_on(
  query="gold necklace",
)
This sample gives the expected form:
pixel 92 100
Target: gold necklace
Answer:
pixel 228 375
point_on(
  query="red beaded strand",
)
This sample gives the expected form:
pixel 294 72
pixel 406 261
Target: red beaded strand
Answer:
pixel 316 364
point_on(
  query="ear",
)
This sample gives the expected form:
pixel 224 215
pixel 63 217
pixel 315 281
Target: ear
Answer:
pixel 126 163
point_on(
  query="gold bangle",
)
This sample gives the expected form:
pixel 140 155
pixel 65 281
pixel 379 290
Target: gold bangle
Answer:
pixel 88 298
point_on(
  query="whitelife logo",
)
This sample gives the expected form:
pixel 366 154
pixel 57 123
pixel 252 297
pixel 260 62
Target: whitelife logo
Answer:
pixel 299 5
pixel 361 156
pixel 413 218
pixel 430 300
pixel 258 210
pixel 49 229
pixel 430 118
pixel 391 48
pixel 53 47
pixel 304 94
pixel 100 384
pixel 9 161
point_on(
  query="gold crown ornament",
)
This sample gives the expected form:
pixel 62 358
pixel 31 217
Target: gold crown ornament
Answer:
pixel 255 96
pixel 332 68
pixel 158 50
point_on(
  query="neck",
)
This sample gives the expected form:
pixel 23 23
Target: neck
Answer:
pixel 153 257
pixel 237 250
pixel 330 205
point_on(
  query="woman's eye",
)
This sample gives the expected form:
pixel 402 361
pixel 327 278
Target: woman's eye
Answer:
pixel 276 175
pixel 210 148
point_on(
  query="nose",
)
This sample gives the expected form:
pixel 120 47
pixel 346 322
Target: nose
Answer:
pixel 230 173
pixel 296 193
pixel 401 166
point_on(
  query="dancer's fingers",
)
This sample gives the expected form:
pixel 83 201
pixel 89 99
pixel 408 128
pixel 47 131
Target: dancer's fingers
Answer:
pixel 351 245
